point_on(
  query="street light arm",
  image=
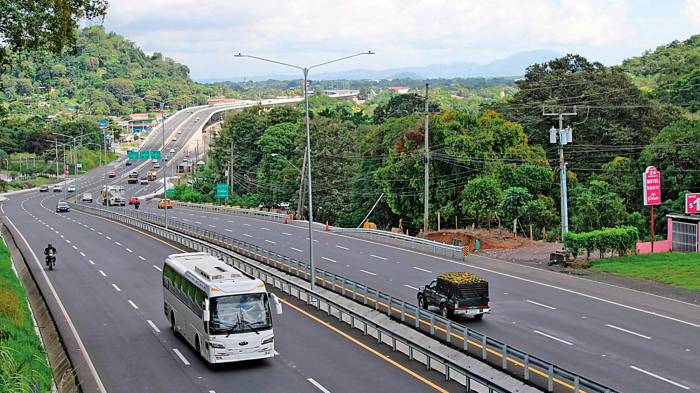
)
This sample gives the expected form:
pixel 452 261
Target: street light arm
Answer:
pixel 342 58
pixel 269 61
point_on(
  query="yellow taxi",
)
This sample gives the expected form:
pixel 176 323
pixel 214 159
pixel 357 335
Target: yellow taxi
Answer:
pixel 165 202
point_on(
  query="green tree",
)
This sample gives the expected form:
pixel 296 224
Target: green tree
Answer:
pixel 595 207
pixel 277 177
pixel 43 24
pixel 513 204
pixel 402 105
pixel 481 199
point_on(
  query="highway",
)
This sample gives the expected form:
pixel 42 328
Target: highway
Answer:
pixel 629 340
pixel 627 348
pixel 109 278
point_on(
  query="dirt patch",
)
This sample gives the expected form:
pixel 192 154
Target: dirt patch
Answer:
pixel 488 239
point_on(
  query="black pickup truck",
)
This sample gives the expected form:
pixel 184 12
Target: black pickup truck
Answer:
pixel 458 293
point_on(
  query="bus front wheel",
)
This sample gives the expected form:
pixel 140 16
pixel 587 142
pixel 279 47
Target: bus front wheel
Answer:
pixel 172 323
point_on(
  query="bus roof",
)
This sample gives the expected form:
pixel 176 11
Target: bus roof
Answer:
pixel 213 276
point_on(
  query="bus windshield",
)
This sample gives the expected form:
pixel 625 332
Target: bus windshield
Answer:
pixel 239 313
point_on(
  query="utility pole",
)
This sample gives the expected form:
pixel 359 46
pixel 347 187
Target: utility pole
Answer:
pixel 165 180
pixel 426 164
pixel 562 136
pixel 300 206
pixel 230 168
pixel 56 157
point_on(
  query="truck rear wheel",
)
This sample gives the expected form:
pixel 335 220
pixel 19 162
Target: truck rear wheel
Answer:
pixel 444 311
pixel 421 303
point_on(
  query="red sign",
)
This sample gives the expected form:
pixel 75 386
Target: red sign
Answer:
pixel 651 181
pixel 67 170
pixel 692 203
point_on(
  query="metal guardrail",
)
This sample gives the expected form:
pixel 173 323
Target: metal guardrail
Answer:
pixel 519 363
pixel 279 217
pixel 431 359
pixel 411 242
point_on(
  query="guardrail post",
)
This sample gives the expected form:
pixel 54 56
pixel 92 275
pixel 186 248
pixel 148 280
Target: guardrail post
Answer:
pixel 483 347
pixel 504 357
pixel 417 315
pixel 577 384
pixel 448 328
pixel 526 367
pixel 403 311
pixel 465 337
pixel 365 296
pixel 388 307
pixel 432 324
pixel 550 378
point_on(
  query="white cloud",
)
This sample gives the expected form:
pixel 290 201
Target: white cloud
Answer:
pixel 692 9
pixel 204 34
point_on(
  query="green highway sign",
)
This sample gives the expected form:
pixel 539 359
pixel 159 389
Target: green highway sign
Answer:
pixel 155 154
pixel 144 155
pixel 170 192
pixel 221 190
pixel 133 155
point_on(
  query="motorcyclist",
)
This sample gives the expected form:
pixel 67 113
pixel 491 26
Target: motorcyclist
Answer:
pixel 49 251
pixel 137 204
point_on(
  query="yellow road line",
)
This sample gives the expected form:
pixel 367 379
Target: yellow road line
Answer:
pixel 367 348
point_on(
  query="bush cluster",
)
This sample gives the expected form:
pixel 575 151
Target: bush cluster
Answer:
pixel 620 239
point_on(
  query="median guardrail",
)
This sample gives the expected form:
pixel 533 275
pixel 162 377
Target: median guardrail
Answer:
pixel 279 217
pixel 432 359
pixel 521 364
pixel 411 242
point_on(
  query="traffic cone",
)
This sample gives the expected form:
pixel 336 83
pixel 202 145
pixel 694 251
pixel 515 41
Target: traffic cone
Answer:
pixel 328 227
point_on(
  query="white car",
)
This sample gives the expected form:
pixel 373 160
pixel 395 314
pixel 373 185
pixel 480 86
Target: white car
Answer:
pixel 143 181
pixel 155 161
pixel 87 197
pixel 57 188
pixel 156 165
pixel 172 151
pixel 71 188
pixel 174 139
pixel 179 132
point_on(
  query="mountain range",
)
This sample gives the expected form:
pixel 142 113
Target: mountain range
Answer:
pixel 510 66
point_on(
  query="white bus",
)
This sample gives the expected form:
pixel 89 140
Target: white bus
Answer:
pixel 223 313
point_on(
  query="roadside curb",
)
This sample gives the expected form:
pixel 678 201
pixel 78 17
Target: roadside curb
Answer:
pixel 71 365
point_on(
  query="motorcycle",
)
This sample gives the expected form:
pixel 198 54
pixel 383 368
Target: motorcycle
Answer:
pixel 51 260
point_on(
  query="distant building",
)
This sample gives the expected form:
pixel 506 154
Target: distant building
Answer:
pixel 140 122
pixel 399 89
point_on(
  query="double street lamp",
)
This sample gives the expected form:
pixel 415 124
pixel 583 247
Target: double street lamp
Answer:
pixel 307 158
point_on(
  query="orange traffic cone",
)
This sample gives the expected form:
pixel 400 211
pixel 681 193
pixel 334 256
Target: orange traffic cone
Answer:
pixel 328 227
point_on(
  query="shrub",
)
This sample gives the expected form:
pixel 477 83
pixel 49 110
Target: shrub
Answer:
pixel 620 239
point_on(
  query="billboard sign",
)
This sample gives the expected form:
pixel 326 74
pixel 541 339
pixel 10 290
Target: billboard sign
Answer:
pixel 222 190
pixel 692 203
pixel 651 181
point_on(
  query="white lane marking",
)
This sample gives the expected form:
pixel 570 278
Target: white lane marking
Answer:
pixel 82 253
pixel 92 229
pixel 229 221
pixel 378 257
pixel 117 243
pixel 228 230
pixel 286 234
pixel 318 385
pixel 265 229
pixel 133 305
pixel 297 250
pixel 247 235
pixel 75 247
pixel 116 288
pixel 142 258
pixel 540 304
pixel 182 358
pixel 198 222
pixel 128 249
pixel 370 273
pixel 108 238
pixel 211 226
pixel 628 331
pixel 99 233
pixel 421 269
pixel 410 286
pixel 203 216
pixel 246 224
pixel 157 268
pixel 659 377
pixel 552 337
pixel 341 247
pixel 270 241
pixel 153 326
pixel 91 262
pixel 103 273
pixel 329 260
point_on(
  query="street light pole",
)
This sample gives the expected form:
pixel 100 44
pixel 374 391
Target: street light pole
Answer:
pixel 165 180
pixel 305 70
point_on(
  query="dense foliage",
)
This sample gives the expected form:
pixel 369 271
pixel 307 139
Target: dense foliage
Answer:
pixel 621 240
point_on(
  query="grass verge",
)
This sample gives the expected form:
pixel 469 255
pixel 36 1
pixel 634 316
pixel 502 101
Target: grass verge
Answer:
pixel 678 269
pixel 23 364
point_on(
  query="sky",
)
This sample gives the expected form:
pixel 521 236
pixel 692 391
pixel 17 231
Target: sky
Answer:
pixel 205 34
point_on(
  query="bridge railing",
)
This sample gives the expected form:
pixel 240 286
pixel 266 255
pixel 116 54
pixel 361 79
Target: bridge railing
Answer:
pixel 216 245
pixel 526 366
